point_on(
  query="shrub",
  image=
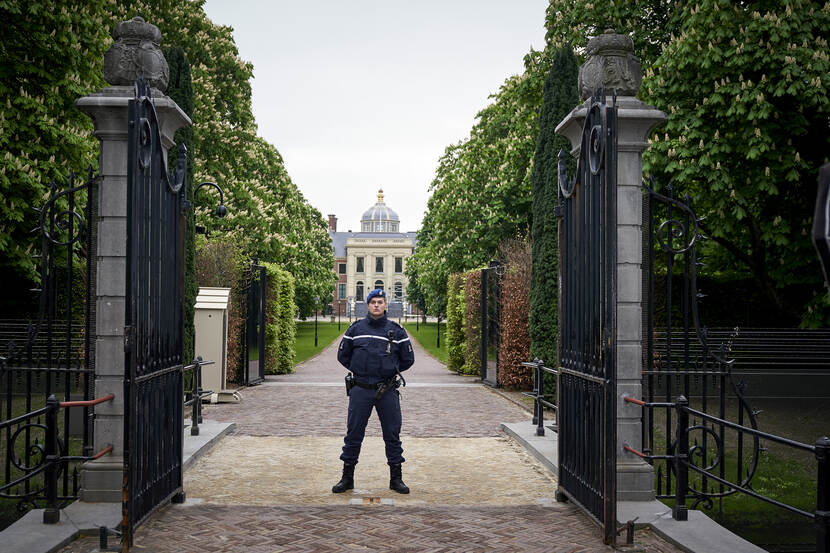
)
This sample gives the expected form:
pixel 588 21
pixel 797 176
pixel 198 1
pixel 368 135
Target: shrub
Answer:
pixel 472 322
pixel 280 330
pixel 514 342
pixel 221 263
pixel 456 308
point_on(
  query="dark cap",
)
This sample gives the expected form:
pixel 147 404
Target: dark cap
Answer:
pixel 376 293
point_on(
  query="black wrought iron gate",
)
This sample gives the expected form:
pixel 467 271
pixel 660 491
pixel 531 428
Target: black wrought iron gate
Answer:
pixel 153 384
pixel 587 362
pixel 491 322
pixel 253 331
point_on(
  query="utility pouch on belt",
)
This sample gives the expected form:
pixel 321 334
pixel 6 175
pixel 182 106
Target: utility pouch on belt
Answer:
pixel 350 383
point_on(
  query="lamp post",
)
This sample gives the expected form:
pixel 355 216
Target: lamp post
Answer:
pixel 316 299
pixel 221 210
pixel 338 314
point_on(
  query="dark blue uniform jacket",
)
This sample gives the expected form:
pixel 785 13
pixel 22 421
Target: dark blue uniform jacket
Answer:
pixel 367 352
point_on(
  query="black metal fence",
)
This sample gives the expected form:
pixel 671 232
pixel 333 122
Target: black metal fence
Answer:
pixel 695 381
pixel 252 371
pixel 491 322
pixel 51 357
pixel 541 401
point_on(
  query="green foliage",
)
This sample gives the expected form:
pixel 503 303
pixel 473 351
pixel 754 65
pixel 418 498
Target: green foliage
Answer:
pixel 222 263
pixel 280 329
pixel 180 89
pixel 52 53
pixel 560 97
pixel 514 335
pixel 426 334
pixel 481 190
pixel 327 333
pixel 456 304
pixel 745 89
pixel 746 94
pixel 472 323
pixel 286 332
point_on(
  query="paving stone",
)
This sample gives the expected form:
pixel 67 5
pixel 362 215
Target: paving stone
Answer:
pixel 266 488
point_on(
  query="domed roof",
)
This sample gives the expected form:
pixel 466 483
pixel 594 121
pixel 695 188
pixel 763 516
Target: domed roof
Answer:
pixel 379 211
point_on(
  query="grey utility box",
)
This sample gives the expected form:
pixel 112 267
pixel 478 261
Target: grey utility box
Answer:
pixel 212 336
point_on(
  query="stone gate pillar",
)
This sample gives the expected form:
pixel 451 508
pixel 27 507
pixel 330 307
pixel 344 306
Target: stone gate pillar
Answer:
pixel 135 51
pixel 611 63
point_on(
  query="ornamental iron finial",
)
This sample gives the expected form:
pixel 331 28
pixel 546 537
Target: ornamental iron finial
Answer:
pixel 611 63
pixel 136 52
pixel 380 195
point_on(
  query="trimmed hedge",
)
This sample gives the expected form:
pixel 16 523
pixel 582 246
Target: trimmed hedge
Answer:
pixel 514 344
pixel 472 322
pixel 221 263
pixel 456 309
pixel 280 328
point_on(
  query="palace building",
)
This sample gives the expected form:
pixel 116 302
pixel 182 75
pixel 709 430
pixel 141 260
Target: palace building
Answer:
pixel 373 257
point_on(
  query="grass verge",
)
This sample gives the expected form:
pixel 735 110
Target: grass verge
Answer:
pixel 783 473
pixel 327 332
pixel 427 336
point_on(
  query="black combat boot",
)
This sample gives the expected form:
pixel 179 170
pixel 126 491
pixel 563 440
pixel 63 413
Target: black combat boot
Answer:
pixel 396 480
pixel 346 481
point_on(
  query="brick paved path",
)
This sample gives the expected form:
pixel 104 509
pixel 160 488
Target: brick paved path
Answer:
pixel 266 488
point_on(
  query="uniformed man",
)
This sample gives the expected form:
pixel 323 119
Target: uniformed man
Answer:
pixel 375 350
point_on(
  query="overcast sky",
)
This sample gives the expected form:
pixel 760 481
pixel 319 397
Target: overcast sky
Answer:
pixel 365 94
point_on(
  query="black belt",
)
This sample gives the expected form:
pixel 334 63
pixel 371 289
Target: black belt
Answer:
pixel 366 385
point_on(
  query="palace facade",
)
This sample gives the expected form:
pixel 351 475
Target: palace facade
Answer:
pixel 373 257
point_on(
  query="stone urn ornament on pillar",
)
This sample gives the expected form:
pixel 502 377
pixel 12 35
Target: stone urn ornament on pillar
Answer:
pixel 136 52
pixel 612 64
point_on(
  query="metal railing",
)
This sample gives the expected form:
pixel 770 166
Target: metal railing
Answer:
pixel 540 400
pixel 682 463
pixel 51 455
pixel 196 392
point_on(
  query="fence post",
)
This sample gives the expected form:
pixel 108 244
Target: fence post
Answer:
pixel 194 418
pixel 540 428
pixel 681 457
pixel 536 391
pixel 823 496
pixel 52 514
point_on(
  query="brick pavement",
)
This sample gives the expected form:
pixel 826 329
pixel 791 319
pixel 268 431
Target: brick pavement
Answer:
pixel 467 478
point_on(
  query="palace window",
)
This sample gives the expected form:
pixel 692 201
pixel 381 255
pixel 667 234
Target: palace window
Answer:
pixel 379 284
pixel 399 264
pixel 341 291
pixel 398 291
pixel 341 268
pixel 359 265
pixel 378 264
pixel 358 295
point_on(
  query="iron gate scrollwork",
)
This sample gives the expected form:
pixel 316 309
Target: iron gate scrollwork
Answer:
pixel 586 384
pixel 253 330
pixel 154 380
pixel 51 356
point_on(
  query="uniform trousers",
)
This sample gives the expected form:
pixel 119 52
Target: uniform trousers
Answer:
pixel 388 407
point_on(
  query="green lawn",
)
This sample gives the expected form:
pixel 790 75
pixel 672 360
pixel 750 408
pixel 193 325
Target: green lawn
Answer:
pixel 327 332
pixel 427 336
pixel 783 473
pixel 8 507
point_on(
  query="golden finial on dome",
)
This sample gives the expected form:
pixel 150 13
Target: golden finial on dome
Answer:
pixel 380 195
